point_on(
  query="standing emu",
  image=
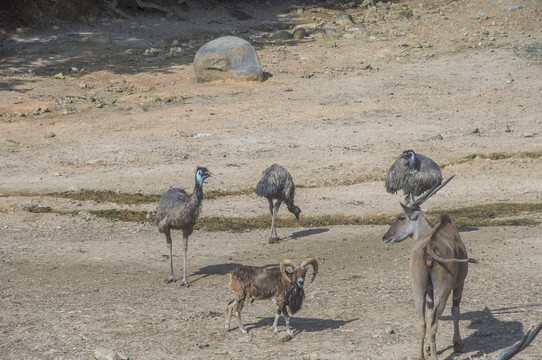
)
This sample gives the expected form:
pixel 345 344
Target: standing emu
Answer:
pixel 414 174
pixel 177 210
pixel 276 183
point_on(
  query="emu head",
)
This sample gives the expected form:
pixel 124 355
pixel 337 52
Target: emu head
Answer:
pixel 202 173
pixel 295 274
pixel 404 225
pixel 409 155
pixel 294 209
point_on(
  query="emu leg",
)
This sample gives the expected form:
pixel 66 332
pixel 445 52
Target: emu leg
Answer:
pixel 170 245
pixel 274 210
pixel 456 300
pixel 185 249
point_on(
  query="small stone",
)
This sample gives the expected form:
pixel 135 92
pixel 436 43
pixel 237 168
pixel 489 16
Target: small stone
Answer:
pixel 507 129
pixel 279 35
pixel 511 7
pixel 50 135
pixel 59 76
pixel 97 39
pixel 284 337
pixel 299 33
pixel 344 19
pixel 402 43
pixel 481 16
pixel 389 331
pixel 300 11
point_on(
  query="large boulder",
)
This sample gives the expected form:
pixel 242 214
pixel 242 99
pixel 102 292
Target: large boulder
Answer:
pixel 228 57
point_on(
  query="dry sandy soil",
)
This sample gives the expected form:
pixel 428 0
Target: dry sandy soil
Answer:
pixel 335 110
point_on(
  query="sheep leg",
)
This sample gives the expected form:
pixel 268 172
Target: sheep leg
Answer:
pixel 238 308
pixel 287 321
pixel 276 322
pixel 185 249
pixel 456 300
pixel 170 245
pixel 229 309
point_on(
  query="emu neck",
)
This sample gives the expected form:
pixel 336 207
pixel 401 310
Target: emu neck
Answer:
pixel 422 226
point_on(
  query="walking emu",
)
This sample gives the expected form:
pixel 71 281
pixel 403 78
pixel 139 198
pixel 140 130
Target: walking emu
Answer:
pixel 413 173
pixel 276 183
pixel 177 210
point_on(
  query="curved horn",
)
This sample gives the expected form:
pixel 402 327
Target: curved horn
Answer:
pixel 430 193
pixel 311 261
pixel 284 264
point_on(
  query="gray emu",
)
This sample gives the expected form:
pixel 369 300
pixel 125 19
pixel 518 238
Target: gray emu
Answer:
pixel 276 183
pixel 414 174
pixel 177 210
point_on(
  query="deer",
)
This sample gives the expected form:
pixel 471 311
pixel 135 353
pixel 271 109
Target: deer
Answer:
pixel 438 266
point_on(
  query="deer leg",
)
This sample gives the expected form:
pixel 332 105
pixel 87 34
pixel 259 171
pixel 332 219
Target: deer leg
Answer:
pixel 170 245
pixel 440 303
pixel 185 249
pixel 419 303
pixel 429 309
pixel 456 300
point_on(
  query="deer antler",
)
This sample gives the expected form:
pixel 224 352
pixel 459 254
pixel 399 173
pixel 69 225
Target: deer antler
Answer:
pixel 430 193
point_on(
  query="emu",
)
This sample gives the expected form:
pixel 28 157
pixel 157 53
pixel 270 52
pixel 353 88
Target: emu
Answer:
pixel 177 210
pixel 284 286
pixel 277 183
pixel 438 266
pixel 413 173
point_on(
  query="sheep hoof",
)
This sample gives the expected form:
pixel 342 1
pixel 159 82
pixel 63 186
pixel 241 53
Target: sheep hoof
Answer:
pixel 458 346
pixel 274 240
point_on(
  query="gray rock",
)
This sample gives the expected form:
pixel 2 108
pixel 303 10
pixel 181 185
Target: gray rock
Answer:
pixel 284 337
pixel 299 33
pixel 344 19
pixel 279 35
pixel 227 57
pixel 481 16
pixel 511 7
pixel 108 354
pixel 97 39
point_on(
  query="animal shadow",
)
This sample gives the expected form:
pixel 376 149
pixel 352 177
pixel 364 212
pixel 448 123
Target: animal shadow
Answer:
pixel 308 232
pixel 299 324
pixel 491 334
pixel 218 269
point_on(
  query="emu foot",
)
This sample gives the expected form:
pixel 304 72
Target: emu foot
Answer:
pixel 170 280
pixel 274 240
pixel 184 282
pixel 458 346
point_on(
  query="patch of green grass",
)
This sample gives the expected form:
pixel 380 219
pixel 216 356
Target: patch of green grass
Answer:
pixel 530 52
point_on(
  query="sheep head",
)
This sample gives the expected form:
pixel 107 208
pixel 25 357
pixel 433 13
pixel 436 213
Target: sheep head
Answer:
pixel 295 273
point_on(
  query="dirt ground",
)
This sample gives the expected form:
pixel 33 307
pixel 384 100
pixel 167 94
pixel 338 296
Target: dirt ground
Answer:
pixel 336 109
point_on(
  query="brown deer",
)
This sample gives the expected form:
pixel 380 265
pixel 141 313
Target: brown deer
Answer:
pixel 438 265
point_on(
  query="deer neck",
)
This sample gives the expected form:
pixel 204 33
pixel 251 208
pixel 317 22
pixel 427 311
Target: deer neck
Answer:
pixel 422 226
